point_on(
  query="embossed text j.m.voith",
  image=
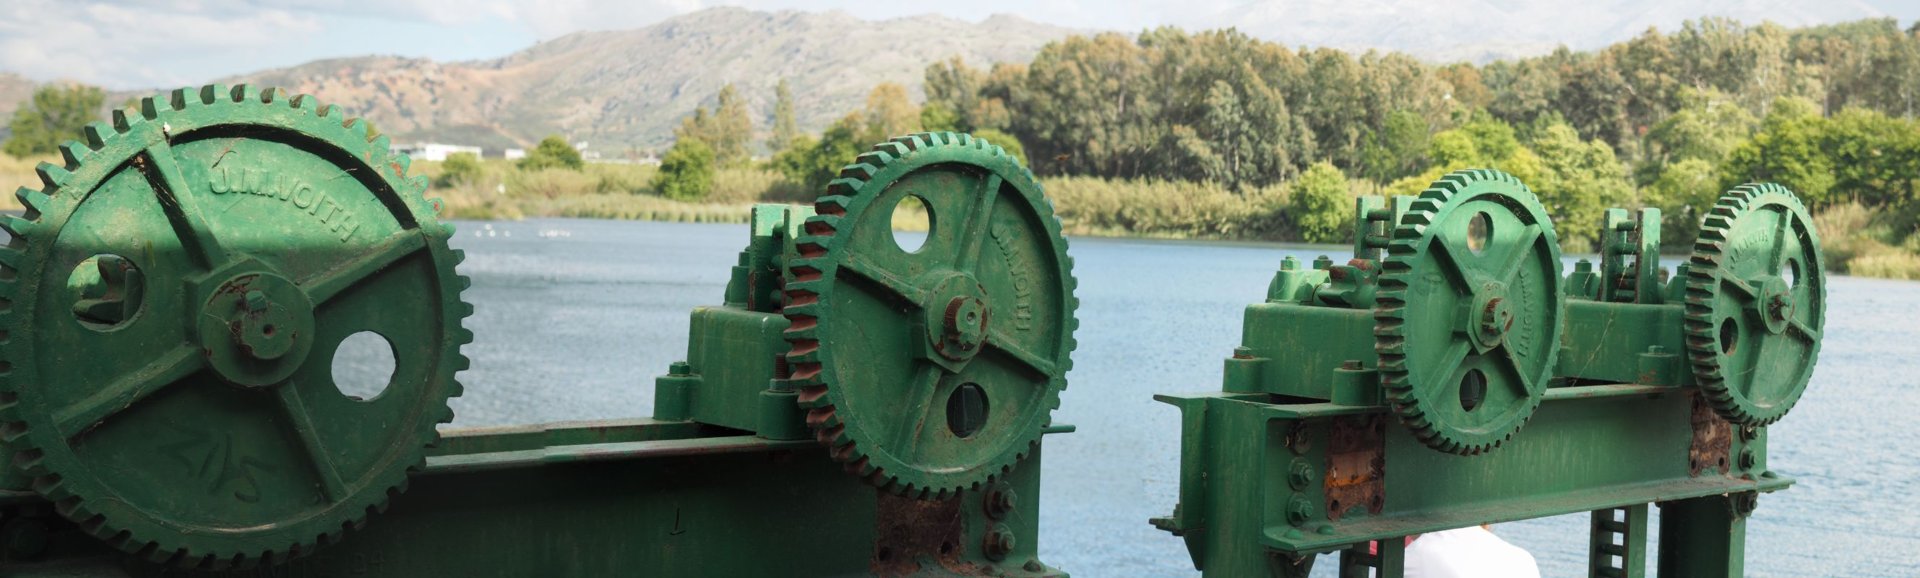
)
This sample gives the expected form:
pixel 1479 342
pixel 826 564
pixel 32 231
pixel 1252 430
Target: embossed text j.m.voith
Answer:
pixel 288 189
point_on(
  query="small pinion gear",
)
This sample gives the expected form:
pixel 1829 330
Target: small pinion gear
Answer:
pixel 1756 302
pixel 934 369
pixel 1467 318
pixel 179 289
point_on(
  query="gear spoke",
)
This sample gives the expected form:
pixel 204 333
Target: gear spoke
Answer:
pixel 325 286
pixel 1521 378
pixel 169 368
pixel 300 423
pixel 872 272
pixel 978 224
pixel 1522 253
pixel 1456 269
pixel 1800 329
pixel 183 209
pixel 1453 359
pixel 925 396
pixel 127 390
pixel 1001 341
pixel 1747 291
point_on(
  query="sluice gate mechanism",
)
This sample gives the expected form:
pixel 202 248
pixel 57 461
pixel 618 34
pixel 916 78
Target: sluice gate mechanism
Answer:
pixel 860 401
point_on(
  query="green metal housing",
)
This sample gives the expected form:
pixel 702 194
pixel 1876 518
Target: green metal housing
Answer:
pixel 174 274
pixel 1298 454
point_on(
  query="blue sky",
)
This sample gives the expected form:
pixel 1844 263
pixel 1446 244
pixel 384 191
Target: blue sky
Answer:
pixel 160 43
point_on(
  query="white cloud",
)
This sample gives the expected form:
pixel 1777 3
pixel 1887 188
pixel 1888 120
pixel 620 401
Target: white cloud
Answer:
pixel 131 44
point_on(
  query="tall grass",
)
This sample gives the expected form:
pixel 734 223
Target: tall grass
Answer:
pixel 1171 209
pixel 1857 242
pixel 16 173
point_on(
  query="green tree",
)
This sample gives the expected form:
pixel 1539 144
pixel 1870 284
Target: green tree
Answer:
pixel 814 163
pixel 1579 180
pixel 1787 150
pixel 1684 192
pixel 889 113
pixel 55 115
pixel 459 169
pixel 1321 206
pixel 785 127
pixel 1396 150
pixel 936 117
pixel 686 171
pixel 1004 141
pixel 553 152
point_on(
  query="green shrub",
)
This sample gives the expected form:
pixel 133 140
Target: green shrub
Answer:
pixel 686 172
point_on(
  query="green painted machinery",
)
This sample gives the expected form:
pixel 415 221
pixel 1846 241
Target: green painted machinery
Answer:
pixel 177 290
pixel 1448 376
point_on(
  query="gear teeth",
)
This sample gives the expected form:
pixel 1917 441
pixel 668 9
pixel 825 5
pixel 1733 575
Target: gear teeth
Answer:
pixel 1409 239
pixel 36 448
pixel 809 276
pixel 211 94
pixel 52 176
pixel 97 134
pixel 1703 272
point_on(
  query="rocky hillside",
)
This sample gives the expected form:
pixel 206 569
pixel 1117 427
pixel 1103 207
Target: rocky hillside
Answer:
pixel 616 90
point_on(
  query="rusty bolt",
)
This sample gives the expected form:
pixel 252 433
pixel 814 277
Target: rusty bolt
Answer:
pixel 1243 353
pixel 1299 510
pixel 1297 440
pixel 998 543
pixel 1747 459
pixel 1035 566
pixel 1749 433
pixel 1300 475
pixel 999 502
pixel 1351 365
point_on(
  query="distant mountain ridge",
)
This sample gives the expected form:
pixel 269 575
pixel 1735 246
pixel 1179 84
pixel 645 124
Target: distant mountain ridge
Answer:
pixel 614 90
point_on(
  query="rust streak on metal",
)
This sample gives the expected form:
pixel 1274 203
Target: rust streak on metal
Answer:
pixel 1712 440
pixel 910 532
pixel 1356 465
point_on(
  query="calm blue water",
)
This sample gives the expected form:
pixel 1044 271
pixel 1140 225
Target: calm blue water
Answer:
pixel 576 317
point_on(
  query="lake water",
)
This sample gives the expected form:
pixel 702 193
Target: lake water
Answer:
pixel 576 317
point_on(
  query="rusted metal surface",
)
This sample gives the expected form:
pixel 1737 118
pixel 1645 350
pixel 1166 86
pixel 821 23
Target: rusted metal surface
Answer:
pixel 911 534
pixel 1712 440
pixel 1356 465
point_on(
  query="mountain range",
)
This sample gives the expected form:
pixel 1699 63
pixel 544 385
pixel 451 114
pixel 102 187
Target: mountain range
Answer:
pixel 625 90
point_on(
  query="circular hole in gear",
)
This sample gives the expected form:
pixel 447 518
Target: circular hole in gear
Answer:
pixel 1729 335
pixel 966 410
pixel 363 365
pixel 107 291
pixel 1473 390
pixel 913 222
pixel 1479 232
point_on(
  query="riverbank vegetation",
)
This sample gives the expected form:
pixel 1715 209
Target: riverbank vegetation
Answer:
pixel 1219 135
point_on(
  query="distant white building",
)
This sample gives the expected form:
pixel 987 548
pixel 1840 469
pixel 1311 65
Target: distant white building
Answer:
pixel 514 154
pixel 430 151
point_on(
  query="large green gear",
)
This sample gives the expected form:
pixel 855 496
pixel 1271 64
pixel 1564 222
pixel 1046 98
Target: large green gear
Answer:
pixel 1467 319
pixel 1756 302
pixel 179 403
pixel 931 371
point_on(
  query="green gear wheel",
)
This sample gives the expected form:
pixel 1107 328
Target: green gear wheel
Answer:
pixel 1756 302
pixel 1467 319
pixel 933 370
pixel 174 395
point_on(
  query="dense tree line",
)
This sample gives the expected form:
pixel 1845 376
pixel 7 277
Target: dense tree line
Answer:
pixel 1663 119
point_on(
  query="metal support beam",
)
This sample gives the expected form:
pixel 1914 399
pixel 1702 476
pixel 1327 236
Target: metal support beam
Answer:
pixel 1618 547
pixel 1705 536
